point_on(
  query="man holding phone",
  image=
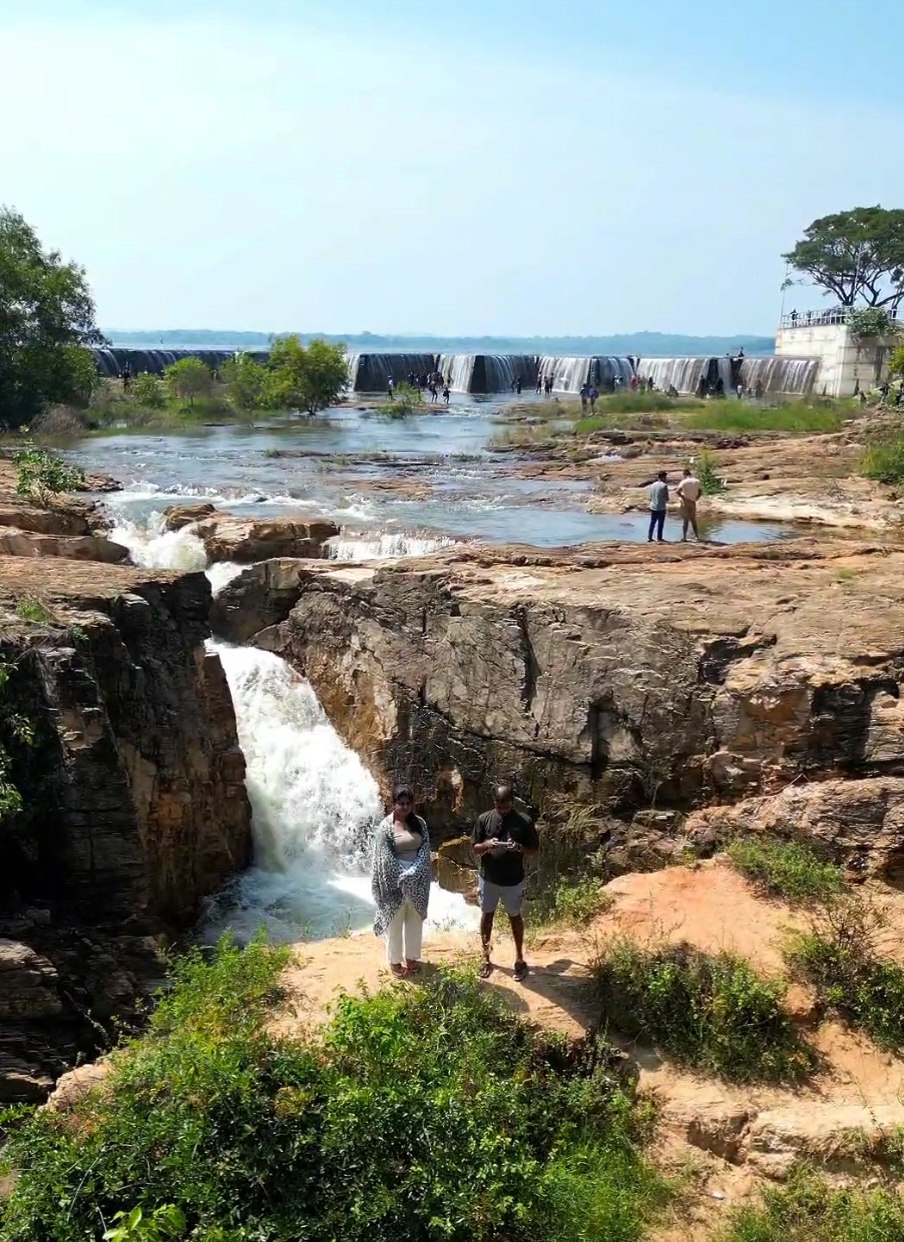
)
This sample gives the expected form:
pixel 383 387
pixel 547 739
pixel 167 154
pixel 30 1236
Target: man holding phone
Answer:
pixel 501 838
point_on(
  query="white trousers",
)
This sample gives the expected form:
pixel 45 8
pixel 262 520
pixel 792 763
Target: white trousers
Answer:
pixel 404 935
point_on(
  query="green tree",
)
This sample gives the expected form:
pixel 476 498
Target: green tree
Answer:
pixel 46 321
pixel 854 256
pixel 41 474
pixel 189 378
pixel 896 361
pixel 246 382
pixel 306 379
pixel 148 391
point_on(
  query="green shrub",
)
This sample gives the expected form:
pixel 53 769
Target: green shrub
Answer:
pixel 419 1113
pixel 789 869
pixel 713 1012
pixel 33 610
pixel 711 484
pixel 41 474
pixel 883 459
pixel 808 1209
pixel 574 903
pixel 148 391
pixel 637 402
pixel 405 400
pixel 839 957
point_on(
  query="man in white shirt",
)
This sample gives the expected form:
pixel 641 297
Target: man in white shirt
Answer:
pixel 689 491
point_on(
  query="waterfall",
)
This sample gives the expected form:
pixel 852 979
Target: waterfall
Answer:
pixel 681 373
pixel 570 374
pixel 458 370
pixel 483 373
pixel 373 370
pixel 790 376
pixel 314 807
pixel 110 362
pixel 152 546
pixel 364 548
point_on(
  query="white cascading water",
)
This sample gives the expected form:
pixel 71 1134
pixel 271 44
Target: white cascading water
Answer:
pixel 154 547
pixel 314 807
pixel 364 549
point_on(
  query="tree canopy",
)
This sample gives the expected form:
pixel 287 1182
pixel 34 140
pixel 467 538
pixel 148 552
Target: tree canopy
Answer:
pixel 46 321
pixel 306 379
pixel 854 256
pixel 189 378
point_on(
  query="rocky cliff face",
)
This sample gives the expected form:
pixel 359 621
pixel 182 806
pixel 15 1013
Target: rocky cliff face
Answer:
pixel 636 685
pixel 134 803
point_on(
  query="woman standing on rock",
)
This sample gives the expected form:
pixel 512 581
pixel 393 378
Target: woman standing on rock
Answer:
pixel 400 882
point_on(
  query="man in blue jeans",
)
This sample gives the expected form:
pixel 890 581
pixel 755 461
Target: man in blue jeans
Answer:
pixel 659 503
pixel 501 838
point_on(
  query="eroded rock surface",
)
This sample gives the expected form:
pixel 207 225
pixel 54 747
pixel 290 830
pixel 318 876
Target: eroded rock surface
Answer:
pixel 637 683
pixel 134 803
pixel 245 540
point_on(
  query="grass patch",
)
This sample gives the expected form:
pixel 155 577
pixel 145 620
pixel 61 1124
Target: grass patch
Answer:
pixel 883 458
pixel 791 870
pixel 808 1209
pixel 838 955
pixel 426 1113
pixel 28 609
pixel 796 418
pixel 711 1012
pixel 573 903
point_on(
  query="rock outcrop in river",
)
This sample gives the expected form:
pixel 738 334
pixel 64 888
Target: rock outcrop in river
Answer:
pixel 134 802
pixel 637 685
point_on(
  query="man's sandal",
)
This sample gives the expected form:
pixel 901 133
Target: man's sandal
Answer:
pixel 486 969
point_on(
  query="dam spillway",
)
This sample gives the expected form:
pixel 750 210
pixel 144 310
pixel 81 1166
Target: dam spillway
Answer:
pixel 498 373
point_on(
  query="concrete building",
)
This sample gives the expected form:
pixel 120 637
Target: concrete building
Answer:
pixel 847 363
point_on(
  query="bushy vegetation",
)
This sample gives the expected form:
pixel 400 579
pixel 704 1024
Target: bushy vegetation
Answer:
pixel 712 1012
pixel 883 458
pixel 41 474
pixel 419 1113
pixel 46 321
pixel 840 957
pixel 795 417
pixel 808 1209
pixel 15 732
pixel 792 870
pixel 711 483
pixel 573 903
pixel 33 610
pixel 405 400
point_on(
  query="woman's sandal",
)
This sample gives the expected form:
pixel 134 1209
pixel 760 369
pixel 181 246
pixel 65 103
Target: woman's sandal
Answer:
pixel 521 971
pixel 398 970
pixel 413 967
pixel 486 969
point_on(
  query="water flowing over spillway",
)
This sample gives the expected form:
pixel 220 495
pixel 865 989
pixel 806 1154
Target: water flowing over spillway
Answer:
pixel 314 808
pixel 570 374
pixel 683 374
pixel 792 376
pixel 111 362
pixel 373 371
pixel 487 373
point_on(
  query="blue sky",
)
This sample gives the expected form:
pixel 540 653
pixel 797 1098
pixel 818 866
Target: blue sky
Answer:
pixel 448 166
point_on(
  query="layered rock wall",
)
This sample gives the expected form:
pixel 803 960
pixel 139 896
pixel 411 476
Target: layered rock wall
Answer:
pixel 134 803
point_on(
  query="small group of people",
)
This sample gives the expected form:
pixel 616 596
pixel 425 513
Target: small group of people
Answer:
pixel 589 395
pixel 688 491
pixel 643 384
pixel 402 871
pixel 517 385
pixel 434 383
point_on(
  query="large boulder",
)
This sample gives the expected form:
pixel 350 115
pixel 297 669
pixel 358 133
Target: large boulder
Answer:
pixel 246 540
pixel 15 542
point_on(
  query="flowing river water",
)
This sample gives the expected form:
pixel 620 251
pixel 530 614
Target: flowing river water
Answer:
pixel 397 488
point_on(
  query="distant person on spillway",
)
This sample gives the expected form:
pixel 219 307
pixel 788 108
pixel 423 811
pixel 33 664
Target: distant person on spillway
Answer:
pixel 400 883
pixel 501 838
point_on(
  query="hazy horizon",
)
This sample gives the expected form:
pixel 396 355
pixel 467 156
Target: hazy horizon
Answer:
pixel 504 168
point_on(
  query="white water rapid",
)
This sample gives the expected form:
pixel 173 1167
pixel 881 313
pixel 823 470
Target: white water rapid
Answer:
pixel 314 807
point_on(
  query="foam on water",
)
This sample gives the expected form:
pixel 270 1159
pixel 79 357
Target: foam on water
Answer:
pixel 314 809
pixel 152 546
pixel 386 545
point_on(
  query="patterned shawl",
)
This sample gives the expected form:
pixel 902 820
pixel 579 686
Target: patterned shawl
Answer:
pixel 392 881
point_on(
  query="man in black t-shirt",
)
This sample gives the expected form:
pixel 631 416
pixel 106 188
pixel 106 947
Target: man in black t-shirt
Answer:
pixel 501 838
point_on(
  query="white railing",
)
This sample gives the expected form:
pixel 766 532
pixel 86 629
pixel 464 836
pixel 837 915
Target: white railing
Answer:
pixel 826 318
